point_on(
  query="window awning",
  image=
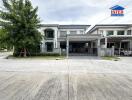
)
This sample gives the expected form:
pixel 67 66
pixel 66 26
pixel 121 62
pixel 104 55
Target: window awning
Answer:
pixel 119 38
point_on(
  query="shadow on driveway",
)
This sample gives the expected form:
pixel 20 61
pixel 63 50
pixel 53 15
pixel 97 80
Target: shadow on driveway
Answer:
pixel 85 57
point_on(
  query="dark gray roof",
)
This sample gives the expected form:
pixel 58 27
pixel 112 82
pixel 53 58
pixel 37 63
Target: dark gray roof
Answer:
pixel 87 26
pixel 50 25
pixel 73 26
pixel 113 24
pixel 66 26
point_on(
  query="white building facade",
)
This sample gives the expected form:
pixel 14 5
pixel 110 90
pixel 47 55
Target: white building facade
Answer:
pixel 74 40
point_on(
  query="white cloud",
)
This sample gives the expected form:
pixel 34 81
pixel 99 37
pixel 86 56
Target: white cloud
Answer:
pixel 100 9
pixel 81 11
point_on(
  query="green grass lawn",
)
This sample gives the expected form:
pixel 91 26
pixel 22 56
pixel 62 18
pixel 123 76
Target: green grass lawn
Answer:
pixel 111 58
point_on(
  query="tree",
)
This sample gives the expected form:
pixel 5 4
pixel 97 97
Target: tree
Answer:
pixel 21 22
pixel 4 44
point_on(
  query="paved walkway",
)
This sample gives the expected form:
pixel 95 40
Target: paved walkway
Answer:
pixel 72 79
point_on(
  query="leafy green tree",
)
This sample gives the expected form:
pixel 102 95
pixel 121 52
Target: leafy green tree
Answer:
pixel 3 39
pixel 20 20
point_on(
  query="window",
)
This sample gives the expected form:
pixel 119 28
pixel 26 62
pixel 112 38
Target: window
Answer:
pixel 73 32
pixel 120 33
pixel 129 32
pixel 109 45
pixel 110 33
pixel 49 33
pixel 49 46
pixel 63 33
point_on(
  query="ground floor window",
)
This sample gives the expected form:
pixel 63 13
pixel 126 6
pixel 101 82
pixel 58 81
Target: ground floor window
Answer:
pixel 109 45
pixel 49 46
pixel 63 45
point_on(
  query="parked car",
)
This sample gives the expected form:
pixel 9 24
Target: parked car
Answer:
pixel 126 52
pixel 123 52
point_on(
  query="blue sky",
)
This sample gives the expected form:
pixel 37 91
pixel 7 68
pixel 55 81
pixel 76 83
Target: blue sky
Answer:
pixel 82 11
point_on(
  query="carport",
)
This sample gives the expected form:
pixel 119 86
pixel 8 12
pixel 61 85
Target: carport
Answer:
pixel 119 43
pixel 85 45
pixel 80 44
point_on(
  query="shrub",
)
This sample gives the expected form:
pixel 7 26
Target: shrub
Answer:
pixel 39 54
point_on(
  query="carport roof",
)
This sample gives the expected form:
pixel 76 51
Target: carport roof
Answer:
pixel 80 37
pixel 119 38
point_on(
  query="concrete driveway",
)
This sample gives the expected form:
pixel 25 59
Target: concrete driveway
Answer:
pixel 87 78
pixel 73 64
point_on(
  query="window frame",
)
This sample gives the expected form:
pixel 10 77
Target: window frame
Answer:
pixel 49 33
pixel 129 31
pixel 110 31
pixel 61 35
pixel 120 31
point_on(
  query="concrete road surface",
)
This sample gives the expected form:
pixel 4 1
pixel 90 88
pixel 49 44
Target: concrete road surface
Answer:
pixel 87 78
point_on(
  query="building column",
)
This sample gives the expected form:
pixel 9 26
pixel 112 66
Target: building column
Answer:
pixel 120 48
pixel 54 44
pixel 92 47
pixel 113 51
pixel 67 47
pixel 43 46
pixel 130 44
pixel 58 45
pixel 131 41
pixel 98 42
pixel 106 42
pixel 98 47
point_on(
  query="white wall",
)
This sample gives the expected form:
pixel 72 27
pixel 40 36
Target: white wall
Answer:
pixel 43 48
pixel 68 31
pixel 95 32
pixel 131 39
pixel 115 32
pixel 111 29
pixel 57 35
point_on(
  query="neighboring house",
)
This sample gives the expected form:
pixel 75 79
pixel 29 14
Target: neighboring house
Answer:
pixel 74 40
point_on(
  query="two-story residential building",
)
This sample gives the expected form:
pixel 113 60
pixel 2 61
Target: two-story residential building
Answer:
pixel 74 40
pixel 118 35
